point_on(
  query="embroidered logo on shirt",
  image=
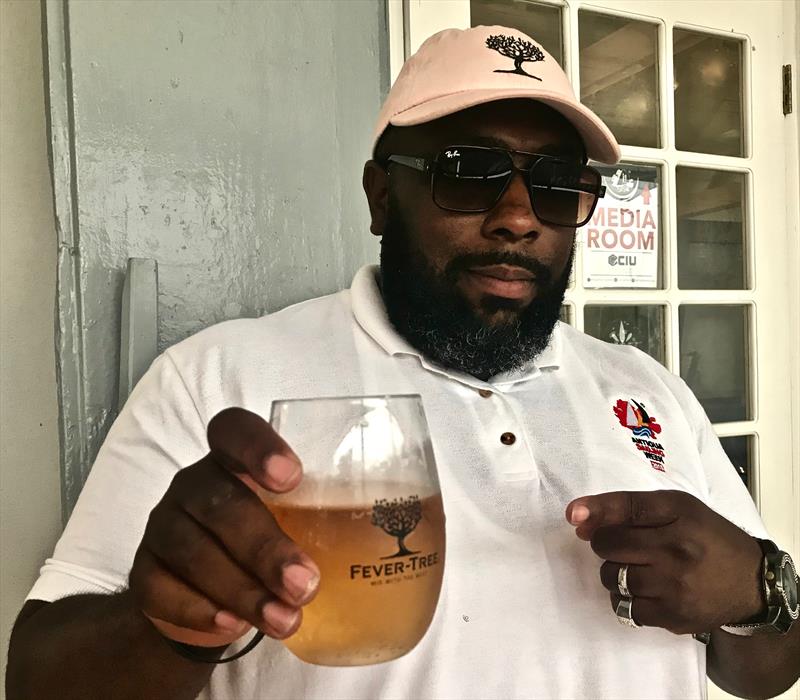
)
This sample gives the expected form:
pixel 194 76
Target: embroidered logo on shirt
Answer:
pixel 633 416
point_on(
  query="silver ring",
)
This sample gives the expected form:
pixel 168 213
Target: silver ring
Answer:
pixel 624 612
pixel 622 581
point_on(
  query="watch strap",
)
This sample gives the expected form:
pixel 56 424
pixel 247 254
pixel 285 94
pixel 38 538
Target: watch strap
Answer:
pixel 747 629
pixel 773 620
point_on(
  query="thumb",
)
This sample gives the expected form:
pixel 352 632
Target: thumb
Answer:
pixel 577 512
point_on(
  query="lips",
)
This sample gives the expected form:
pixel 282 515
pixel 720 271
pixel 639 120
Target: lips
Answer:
pixel 503 281
pixel 507 273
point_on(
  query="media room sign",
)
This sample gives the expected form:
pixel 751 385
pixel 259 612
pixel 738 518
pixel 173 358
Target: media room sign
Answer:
pixel 620 243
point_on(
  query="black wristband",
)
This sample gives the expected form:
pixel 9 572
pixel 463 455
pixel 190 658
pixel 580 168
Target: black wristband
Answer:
pixel 195 653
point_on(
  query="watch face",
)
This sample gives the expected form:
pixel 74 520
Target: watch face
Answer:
pixel 789 585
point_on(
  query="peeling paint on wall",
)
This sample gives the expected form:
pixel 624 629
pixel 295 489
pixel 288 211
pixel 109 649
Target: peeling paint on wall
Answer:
pixel 226 140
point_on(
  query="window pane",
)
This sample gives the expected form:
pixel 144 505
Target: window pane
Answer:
pixel 711 238
pixel 715 358
pixel 619 80
pixel 740 450
pixel 540 22
pixel 621 244
pixel 639 325
pixel 708 93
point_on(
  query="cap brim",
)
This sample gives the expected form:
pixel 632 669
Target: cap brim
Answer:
pixel 600 142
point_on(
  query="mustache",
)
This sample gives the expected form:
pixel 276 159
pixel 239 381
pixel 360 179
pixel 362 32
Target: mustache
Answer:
pixel 462 263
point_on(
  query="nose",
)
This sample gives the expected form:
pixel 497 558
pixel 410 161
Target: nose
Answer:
pixel 513 217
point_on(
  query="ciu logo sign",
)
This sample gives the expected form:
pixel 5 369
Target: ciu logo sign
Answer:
pixel 621 260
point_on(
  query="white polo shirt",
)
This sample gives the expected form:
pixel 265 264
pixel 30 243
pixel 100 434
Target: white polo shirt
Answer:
pixel 522 613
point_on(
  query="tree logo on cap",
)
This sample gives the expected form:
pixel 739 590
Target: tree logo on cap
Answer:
pixel 516 48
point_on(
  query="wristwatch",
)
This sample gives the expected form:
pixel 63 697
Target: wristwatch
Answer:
pixel 780 581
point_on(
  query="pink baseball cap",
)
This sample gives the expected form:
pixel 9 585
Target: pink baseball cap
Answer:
pixel 459 68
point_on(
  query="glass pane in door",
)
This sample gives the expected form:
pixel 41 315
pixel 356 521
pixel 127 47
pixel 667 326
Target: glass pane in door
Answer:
pixel 708 93
pixel 619 79
pixel 540 22
pixel 740 450
pixel 711 240
pixel 715 358
pixel 621 244
pixel 640 325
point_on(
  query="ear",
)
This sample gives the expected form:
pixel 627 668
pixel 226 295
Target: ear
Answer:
pixel 376 186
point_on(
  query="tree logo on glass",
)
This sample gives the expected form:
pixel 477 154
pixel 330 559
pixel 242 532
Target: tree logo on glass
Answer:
pixel 516 49
pixel 398 518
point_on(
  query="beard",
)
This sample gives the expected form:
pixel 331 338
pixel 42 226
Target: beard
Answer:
pixel 427 309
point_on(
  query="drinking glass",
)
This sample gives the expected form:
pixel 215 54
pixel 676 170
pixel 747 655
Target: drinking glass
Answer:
pixel 369 513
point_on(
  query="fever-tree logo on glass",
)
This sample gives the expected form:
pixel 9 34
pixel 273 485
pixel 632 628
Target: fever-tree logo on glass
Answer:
pixel 519 50
pixel 397 518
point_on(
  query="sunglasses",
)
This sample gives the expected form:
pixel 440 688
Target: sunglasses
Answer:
pixel 474 178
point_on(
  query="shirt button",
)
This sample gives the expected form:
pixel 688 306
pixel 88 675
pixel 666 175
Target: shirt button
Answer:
pixel 508 438
pixel 486 393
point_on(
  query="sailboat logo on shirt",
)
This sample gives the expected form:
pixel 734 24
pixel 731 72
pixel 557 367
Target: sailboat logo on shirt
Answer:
pixel 632 415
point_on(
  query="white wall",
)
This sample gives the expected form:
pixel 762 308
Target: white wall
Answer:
pixel 30 508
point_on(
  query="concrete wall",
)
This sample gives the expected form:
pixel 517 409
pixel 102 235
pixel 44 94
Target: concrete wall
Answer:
pixel 224 139
pixel 30 510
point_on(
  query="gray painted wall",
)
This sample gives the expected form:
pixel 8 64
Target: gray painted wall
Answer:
pixel 224 139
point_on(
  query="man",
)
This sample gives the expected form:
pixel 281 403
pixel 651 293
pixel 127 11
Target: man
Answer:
pixel 582 482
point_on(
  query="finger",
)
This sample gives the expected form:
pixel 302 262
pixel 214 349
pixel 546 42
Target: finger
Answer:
pixel 629 545
pixel 221 504
pixel 635 508
pixel 641 580
pixel 192 555
pixel 179 610
pixel 244 443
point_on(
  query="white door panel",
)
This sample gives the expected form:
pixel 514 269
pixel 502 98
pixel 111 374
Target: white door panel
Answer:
pixel 731 201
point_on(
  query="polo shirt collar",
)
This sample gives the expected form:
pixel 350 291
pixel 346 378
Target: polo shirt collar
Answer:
pixel 369 311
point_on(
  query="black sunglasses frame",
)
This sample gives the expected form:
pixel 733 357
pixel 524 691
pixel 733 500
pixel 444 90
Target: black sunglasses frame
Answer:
pixel 431 167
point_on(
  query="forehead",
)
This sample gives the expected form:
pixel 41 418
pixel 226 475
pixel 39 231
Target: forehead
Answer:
pixel 518 124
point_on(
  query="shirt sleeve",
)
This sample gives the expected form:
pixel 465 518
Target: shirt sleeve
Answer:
pixel 727 493
pixel 158 431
